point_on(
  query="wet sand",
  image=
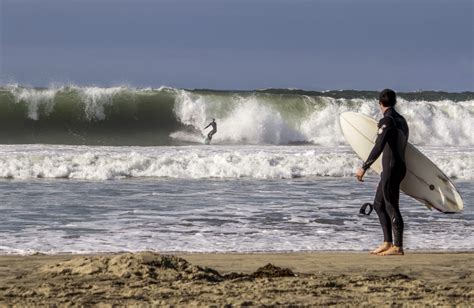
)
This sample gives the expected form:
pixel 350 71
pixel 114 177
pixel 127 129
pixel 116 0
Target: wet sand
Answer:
pixel 312 279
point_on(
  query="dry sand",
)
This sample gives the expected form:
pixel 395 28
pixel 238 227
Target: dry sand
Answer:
pixel 302 279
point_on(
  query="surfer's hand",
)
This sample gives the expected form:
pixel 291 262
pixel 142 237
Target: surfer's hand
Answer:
pixel 360 174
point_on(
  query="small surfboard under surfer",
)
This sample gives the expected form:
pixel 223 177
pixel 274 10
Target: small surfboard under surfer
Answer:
pixel 213 124
pixel 392 139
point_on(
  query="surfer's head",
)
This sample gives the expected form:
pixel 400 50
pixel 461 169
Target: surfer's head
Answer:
pixel 213 120
pixel 388 98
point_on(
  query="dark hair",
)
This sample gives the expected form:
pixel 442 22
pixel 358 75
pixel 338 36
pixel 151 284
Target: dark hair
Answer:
pixel 388 98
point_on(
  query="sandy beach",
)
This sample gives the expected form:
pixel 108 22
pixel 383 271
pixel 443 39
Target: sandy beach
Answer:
pixel 306 279
pixel 218 153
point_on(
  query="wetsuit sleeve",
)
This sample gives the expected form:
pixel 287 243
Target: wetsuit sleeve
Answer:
pixel 207 126
pixel 385 125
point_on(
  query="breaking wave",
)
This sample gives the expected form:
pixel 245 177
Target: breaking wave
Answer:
pixel 167 116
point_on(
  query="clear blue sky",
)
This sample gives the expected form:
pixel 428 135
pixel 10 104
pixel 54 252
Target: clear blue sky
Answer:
pixel 240 44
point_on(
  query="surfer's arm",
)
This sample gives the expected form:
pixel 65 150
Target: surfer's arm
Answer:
pixel 384 125
pixel 207 126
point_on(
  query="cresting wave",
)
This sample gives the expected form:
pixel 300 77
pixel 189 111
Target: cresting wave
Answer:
pixel 196 162
pixel 166 116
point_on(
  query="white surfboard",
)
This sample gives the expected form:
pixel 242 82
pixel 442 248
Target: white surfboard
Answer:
pixel 423 181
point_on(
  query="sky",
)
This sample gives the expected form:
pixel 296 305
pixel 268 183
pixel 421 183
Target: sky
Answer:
pixel 240 44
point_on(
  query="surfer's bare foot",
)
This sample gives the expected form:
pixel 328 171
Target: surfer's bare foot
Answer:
pixel 392 251
pixel 381 248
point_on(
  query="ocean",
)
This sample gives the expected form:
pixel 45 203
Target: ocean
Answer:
pixel 90 169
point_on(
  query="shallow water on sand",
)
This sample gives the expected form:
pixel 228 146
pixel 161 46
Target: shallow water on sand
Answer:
pixel 313 213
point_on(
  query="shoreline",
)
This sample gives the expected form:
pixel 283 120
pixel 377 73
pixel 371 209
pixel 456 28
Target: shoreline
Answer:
pixel 230 252
pixel 295 278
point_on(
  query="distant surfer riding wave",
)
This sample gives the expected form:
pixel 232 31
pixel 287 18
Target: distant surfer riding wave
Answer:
pixel 168 116
pixel 213 124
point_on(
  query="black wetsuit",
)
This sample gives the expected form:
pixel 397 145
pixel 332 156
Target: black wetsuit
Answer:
pixel 213 131
pixel 391 140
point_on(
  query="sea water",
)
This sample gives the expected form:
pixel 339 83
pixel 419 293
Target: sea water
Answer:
pixel 121 169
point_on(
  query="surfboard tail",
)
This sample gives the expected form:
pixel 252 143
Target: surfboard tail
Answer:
pixel 431 206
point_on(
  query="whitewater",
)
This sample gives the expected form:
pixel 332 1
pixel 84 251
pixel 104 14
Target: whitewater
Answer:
pixel 167 116
pixel 90 169
pixel 200 162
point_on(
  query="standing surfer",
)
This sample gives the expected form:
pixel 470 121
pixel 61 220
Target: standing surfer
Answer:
pixel 213 131
pixel 392 138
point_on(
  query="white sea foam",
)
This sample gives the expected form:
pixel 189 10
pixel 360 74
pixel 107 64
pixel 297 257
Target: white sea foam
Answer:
pixel 255 123
pixel 439 123
pixel 36 99
pixel 101 163
pixel 254 120
pixel 431 123
pixel 96 99
pixel 213 215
